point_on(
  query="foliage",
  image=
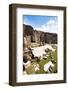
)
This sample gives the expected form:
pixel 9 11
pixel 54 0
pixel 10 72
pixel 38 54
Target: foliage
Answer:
pixel 52 56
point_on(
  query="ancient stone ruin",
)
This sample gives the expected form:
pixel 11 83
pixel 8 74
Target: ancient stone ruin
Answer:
pixel 36 36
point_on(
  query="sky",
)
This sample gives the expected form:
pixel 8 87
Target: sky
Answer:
pixel 42 23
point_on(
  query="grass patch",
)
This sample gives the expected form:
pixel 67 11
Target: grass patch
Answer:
pixel 52 55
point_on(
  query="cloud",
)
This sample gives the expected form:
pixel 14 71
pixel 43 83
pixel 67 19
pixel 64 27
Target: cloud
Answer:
pixel 50 22
pixel 41 28
pixel 26 21
pixel 50 26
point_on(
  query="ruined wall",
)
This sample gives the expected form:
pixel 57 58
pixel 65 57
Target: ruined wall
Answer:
pixel 51 38
pixel 39 37
pixel 27 34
